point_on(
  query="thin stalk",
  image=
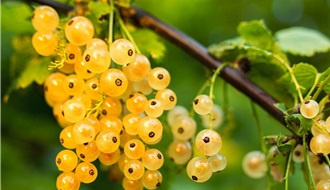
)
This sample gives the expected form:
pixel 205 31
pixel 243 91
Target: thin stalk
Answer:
pixel 96 108
pixel 327 159
pixel 111 18
pixel 308 165
pixel 128 34
pixel 313 87
pixel 286 177
pixel 319 90
pixel 260 130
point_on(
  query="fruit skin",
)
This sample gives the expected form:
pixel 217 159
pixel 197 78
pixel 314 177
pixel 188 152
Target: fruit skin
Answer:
pixel 217 117
pixel 167 97
pixel 86 172
pixel 132 184
pixel 66 138
pixel 134 149
pixel 109 159
pixel 152 179
pixel 138 69
pixel 97 59
pixel 44 42
pixel 73 110
pixel 134 170
pixel 309 109
pixel 254 164
pixel 203 104
pixel 67 181
pixel 88 152
pixel 152 159
pixel 298 154
pixel 113 82
pixel 66 160
pixel 208 142
pixel 79 30
pixel 184 128
pixel 180 152
pixel 218 162
pixel 199 169
pixel 122 51
pixel 154 108
pixel 45 18
pixel 150 130
pixel 108 141
pixel 176 112
pixel 159 78
pixel 320 144
pixel 323 185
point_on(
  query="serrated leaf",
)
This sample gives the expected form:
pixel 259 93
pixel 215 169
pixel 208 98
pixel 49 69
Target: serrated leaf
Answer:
pixel 227 50
pixel 149 43
pixel 256 34
pixel 305 74
pixel 302 41
pixel 325 76
pixel 99 10
pixel 36 71
pixel 286 147
pixel 297 121
pixel 16 24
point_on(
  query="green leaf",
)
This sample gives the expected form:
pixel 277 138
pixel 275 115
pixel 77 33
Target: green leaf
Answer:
pixel 286 147
pixel 16 17
pixel 298 122
pixel 281 107
pixel 124 3
pixel 226 50
pixel 256 34
pixel 305 75
pixel 302 41
pixel 149 43
pixel 325 76
pixel 36 71
pixel 99 10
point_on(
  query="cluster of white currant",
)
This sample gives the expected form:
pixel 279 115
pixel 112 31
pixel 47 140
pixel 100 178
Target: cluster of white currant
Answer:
pixel 104 111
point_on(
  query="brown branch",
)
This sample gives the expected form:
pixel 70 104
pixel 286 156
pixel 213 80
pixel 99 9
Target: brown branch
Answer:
pixel 233 76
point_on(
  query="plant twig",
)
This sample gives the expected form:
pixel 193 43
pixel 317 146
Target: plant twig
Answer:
pixel 308 165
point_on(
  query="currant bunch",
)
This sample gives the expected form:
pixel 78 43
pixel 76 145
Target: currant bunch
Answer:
pixel 106 110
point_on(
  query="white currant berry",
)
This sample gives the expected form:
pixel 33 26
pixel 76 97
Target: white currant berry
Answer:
pixel 309 109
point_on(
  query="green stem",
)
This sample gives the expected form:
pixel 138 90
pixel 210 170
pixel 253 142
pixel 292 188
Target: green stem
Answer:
pixel 129 36
pixel 260 130
pixel 96 108
pixel 111 18
pixel 313 87
pixel 215 74
pixel 286 177
pixel 319 90
pixel 327 159
pixel 307 165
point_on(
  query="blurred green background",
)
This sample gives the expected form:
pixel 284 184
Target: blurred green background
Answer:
pixel 29 138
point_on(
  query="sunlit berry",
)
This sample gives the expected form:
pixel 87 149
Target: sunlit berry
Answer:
pixel 323 185
pixel 208 142
pixel 133 169
pixel 45 18
pixel 152 159
pixel 73 54
pixel 111 106
pixel 138 69
pixel 152 179
pixel 44 42
pixel 218 162
pixel 88 152
pixel 86 172
pixel 150 130
pixel 154 108
pixel 73 110
pixel 180 152
pixel 183 128
pixel 83 132
pixel 309 109
pixel 73 85
pixel 123 160
pixel 159 78
pixel 142 86
pixel 132 184
pixel 84 99
pixel 66 138
pixel 97 59
pixel 320 144
pixel 217 117
pixel 81 70
pixel 176 112
pixel 113 123
pixel 254 164
pixel 107 141
pixel 122 51
pixel 136 103
pixel 66 160
pixel 92 88
pixel 96 42
pixel 130 122
pixel 113 82
pixel 134 149
pixel 199 169
pixel 79 30
pixel 67 181
pixel 109 159
pixel 54 89
pixel 57 112
pixel 203 104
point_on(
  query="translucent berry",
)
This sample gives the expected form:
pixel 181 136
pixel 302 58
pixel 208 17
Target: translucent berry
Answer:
pixel 167 97
pixel 180 152
pixel 134 149
pixel 109 159
pixel 88 152
pixel 83 132
pixel 44 42
pixel 66 160
pixel 108 141
pixel 81 70
pixel 217 117
pixel 132 184
pixel 93 121
pixel 97 59
pixel 138 69
pixel 73 110
pixel 199 169
pixel 136 103
pixel 79 30
pixel 309 109
pixel 218 162
pixel 45 18
pixel 73 54
pixel 67 181
pixel 176 112
pixel 57 112
pixel 127 93
pixel 92 89
pixel 298 154
pixel 130 122
pixel 66 138
pixel 122 51
pixel 142 86
pixel 111 106
pixel 133 170
pixel 154 108
pixel 159 78
pixel 113 123
pixel 96 42
pixel 323 185
pixel 86 172
pixel 152 179
pixel 123 160
pixel 73 85
pixel 203 104
pixel 84 99
pixel 184 128
pixel 54 89
pixel 327 124
pixel 320 144
pixel 67 68
pixel 208 142
pixel 113 82
pixel 152 159
pixel 150 130
pixel 254 164
pixel 124 137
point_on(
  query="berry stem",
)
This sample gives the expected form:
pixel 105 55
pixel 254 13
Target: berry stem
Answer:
pixel 260 130
pixel 129 36
pixel 288 165
pixel 96 108
pixel 307 165
pixel 307 97
pixel 319 90
pixel 60 50
pixel 214 76
pixel 110 38
pixel 327 159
